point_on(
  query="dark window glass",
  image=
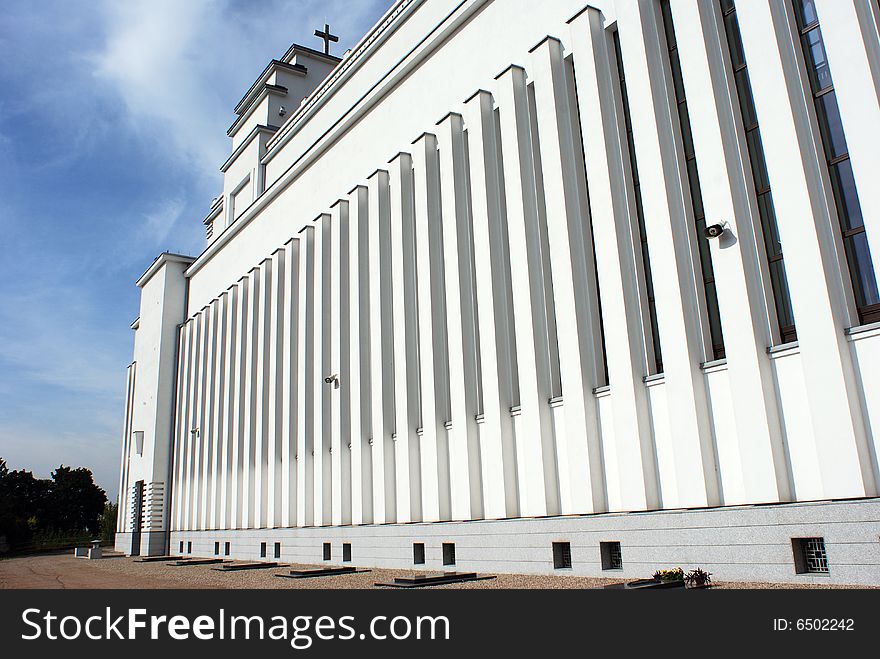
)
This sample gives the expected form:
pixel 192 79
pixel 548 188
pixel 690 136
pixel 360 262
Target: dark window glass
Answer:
pixel 561 555
pixel 731 25
pixel 771 232
pixel 779 281
pixel 806 12
pixel 863 279
pixel 710 293
pixel 817 64
pixel 759 165
pixel 687 137
pixel 766 210
pixel 746 100
pixel 849 210
pixel 612 557
pixel 657 365
pixel 828 113
pixel 847 198
pixel 448 553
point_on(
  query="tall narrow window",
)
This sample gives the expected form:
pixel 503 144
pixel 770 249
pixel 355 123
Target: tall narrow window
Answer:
pixel 707 273
pixel 849 210
pixel 657 362
pixel 766 208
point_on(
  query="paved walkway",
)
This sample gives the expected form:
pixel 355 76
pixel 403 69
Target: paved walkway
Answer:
pixel 62 570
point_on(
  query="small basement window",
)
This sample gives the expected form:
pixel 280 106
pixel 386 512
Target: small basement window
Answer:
pixel 262 550
pixel 418 553
pixel 448 553
pixel 346 552
pixel 216 549
pixel 189 547
pixel 561 555
pixel 612 559
pixel 326 551
pixel 226 549
pixel 181 546
pixel 277 553
pixel 809 555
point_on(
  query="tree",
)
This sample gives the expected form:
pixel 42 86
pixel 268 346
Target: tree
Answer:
pixel 77 503
pixel 23 503
pixel 68 504
pixel 108 523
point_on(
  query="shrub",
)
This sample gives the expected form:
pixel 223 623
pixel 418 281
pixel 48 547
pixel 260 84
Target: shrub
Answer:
pixel 676 574
pixel 697 578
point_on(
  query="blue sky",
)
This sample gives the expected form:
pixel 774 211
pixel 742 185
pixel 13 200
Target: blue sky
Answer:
pixel 113 118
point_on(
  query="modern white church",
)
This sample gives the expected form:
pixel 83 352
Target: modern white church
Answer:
pixel 532 287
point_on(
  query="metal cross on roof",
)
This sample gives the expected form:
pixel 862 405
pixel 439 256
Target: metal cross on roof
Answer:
pixel 327 37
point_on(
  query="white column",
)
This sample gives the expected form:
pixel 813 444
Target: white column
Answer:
pixel 123 512
pixel 497 450
pixel 407 412
pixel 674 257
pixel 263 406
pixel 276 354
pixel 616 244
pixel 432 330
pixel 226 499
pixel 207 426
pixel 808 232
pixel 323 427
pixel 290 381
pixel 381 349
pixel 305 429
pixel 192 421
pixel 358 375
pixel 340 390
pixel 251 419
pixel 176 445
pixel 169 510
pixel 219 420
pixel 242 389
pixel 466 495
pixel 535 443
pixel 200 424
pixel 181 459
pixel 723 161
pixel 850 34
pixel 581 472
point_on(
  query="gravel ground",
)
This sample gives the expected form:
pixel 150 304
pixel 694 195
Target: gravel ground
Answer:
pixel 65 571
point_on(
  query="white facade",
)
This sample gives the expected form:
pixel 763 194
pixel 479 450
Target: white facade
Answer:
pixel 425 297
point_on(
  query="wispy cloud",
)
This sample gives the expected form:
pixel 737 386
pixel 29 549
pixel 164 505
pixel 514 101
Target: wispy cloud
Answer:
pixel 159 57
pixel 48 335
pixel 159 221
pixel 112 130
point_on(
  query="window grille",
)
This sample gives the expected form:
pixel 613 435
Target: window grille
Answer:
pixel 561 555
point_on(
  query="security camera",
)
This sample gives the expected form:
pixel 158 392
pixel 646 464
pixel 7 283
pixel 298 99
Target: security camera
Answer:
pixel 330 379
pixel 715 230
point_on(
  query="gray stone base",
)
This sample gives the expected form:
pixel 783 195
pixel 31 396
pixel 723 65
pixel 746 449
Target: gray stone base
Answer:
pixel 740 543
pixel 153 543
